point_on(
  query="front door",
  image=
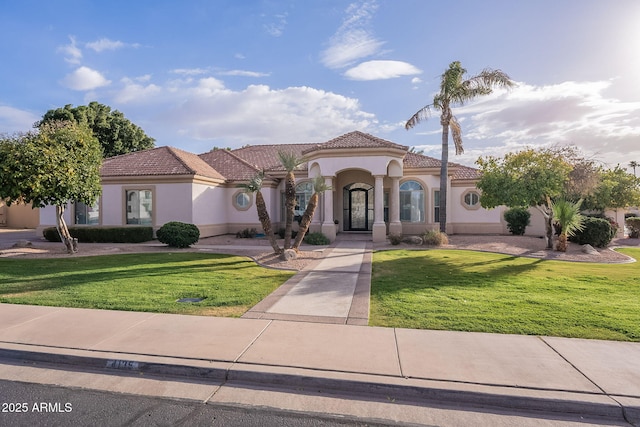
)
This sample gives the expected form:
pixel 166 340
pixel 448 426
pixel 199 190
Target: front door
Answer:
pixel 358 209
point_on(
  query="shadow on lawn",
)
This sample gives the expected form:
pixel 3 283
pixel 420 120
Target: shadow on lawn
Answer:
pixel 49 274
pixel 440 268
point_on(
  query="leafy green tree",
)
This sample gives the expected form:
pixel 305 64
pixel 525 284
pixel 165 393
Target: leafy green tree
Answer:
pixel 617 189
pixel 58 164
pixel 526 178
pixel 116 134
pixel 568 215
pixel 255 186
pixel 319 187
pixel 456 90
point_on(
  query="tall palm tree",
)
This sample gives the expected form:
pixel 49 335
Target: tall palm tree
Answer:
pixel 319 186
pixel 455 90
pixel 568 215
pixel 633 164
pixel 290 161
pixel 255 186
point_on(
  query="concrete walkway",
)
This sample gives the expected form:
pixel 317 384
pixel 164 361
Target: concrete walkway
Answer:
pixel 553 375
pixel 334 289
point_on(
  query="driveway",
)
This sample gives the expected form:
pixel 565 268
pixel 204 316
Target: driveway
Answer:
pixel 9 236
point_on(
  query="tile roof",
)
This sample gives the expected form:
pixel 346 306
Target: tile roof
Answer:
pixel 230 165
pixel 265 157
pixel 157 161
pixel 413 160
pixel 356 139
pixel 465 172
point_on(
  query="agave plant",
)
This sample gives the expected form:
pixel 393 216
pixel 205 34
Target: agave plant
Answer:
pixel 568 216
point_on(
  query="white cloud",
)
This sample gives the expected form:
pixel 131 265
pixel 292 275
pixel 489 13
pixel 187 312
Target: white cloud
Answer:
pixel 136 92
pixel 276 27
pixel 16 120
pixel 380 70
pixel 71 52
pixel 416 80
pixel 243 73
pixel 189 71
pixel 354 39
pixel 576 113
pixel 105 44
pixel 85 78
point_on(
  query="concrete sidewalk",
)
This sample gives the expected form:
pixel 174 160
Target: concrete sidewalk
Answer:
pixel 554 375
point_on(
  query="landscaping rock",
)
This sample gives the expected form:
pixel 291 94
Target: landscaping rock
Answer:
pixel 289 254
pixel 588 249
pixel 413 240
pixel 22 244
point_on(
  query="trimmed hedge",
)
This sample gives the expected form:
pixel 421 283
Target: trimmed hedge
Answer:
pixel 316 239
pixel 597 232
pixel 178 234
pixel 517 220
pixel 99 234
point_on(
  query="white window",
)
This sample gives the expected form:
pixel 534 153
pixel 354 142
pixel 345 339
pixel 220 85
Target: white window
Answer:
pixel 411 202
pixel 471 199
pixel 242 200
pixel 139 207
pixel 85 214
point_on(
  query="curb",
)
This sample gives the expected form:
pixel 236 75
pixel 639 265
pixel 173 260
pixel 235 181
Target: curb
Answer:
pixel 300 380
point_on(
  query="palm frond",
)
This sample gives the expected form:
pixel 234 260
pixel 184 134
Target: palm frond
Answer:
pixel 290 160
pixel 319 185
pixel 456 134
pixel 423 114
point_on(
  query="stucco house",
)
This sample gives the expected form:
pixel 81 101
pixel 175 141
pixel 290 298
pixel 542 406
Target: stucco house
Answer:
pixel 378 187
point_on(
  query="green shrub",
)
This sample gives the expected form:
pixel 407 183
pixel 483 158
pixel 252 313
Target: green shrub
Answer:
pixel 316 239
pixel 395 239
pixel 597 232
pixel 517 220
pixel 247 233
pixel 102 234
pixel 178 234
pixel 633 224
pixel 435 238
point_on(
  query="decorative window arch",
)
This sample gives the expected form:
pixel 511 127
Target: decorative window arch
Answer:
pixel 471 199
pixel 412 206
pixel 242 200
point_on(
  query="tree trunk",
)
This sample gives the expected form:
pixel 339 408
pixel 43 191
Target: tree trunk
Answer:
pixel 290 203
pixel 263 216
pixel 69 242
pixel 562 243
pixel 306 220
pixel 444 171
pixel 547 213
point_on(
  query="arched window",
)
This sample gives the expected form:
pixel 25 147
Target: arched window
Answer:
pixel 411 202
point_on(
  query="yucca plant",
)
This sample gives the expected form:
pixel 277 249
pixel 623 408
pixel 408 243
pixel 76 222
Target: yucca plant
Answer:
pixel 568 216
pixel 319 187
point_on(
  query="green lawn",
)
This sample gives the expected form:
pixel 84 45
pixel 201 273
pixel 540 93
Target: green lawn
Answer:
pixel 484 292
pixel 141 282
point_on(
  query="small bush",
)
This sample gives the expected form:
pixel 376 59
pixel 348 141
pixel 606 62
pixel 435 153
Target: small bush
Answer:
pixel 633 224
pixel 395 239
pixel 178 234
pixel 517 220
pixel 435 238
pixel 100 234
pixel 316 239
pixel 597 232
pixel 247 233
pixel 294 233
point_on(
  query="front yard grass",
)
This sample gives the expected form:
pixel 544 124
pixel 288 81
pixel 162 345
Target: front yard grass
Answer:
pixel 141 282
pixel 484 292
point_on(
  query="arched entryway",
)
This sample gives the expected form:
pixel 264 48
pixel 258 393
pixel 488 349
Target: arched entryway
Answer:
pixel 358 206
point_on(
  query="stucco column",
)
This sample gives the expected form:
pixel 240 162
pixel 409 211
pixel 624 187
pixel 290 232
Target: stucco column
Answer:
pixel 379 227
pixel 395 226
pixel 328 227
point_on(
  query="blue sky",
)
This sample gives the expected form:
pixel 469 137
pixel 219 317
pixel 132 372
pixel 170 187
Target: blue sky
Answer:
pixel 199 74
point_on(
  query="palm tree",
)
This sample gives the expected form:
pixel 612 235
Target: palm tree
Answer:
pixel 568 215
pixel 633 164
pixel 289 161
pixel 255 186
pixel 319 186
pixel 455 90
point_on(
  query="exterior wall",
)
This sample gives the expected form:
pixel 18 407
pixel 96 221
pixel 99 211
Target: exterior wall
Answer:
pixel 19 216
pixel 472 220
